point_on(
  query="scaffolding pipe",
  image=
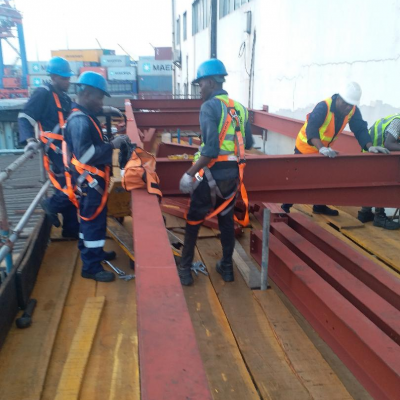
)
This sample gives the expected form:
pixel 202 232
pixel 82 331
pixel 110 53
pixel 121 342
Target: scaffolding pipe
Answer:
pixel 7 247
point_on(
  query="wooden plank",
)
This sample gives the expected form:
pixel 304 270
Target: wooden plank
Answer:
pixel 315 373
pixel 26 353
pixel 264 357
pixel 74 368
pixel 226 371
pixel 246 267
pixel 122 236
pixel 112 372
pixel 119 200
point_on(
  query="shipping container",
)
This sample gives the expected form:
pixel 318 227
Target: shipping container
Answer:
pixel 122 87
pixel 79 55
pixel 121 74
pixel 100 70
pixel 155 84
pixel 38 80
pixel 115 61
pixel 155 68
pixel 76 66
pixel 163 53
pixel 37 67
pixel 11 83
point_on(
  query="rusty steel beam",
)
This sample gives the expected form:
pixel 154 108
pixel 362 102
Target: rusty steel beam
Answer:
pixel 368 352
pixel 169 149
pixel 166 104
pixel 346 142
pixel 352 180
pixel 185 120
pixel 131 126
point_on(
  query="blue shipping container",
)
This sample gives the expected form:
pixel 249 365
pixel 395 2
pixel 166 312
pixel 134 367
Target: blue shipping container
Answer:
pixel 155 83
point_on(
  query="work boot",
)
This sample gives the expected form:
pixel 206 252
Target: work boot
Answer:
pixel 286 208
pixel 185 275
pixel 101 276
pixel 325 210
pixel 110 255
pixel 384 222
pixel 365 216
pixel 53 217
pixel 225 272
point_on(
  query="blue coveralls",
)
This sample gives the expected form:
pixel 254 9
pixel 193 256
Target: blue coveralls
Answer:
pixel 41 108
pixel 85 144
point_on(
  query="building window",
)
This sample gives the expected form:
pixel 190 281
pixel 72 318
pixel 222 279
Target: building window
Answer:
pixel 184 26
pixel 200 15
pixel 227 6
pixel 178 32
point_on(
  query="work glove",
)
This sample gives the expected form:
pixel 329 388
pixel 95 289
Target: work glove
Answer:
pixel 119 140
pixel 328 152
pixel 378 149
pixel 31 144
pixel 108 110
pixel 186 183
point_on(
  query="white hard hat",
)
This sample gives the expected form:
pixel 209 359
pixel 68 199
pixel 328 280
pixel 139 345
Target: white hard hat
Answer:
pixel 351 93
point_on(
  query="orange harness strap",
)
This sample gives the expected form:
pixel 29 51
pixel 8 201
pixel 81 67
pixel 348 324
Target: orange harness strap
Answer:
pixel 239 150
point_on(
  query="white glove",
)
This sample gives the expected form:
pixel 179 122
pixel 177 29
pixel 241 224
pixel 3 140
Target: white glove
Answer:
pixel 108 110
pixel 378 149
pixel 328 152
pixel 31 145
pixel 118 140
pixel 186 183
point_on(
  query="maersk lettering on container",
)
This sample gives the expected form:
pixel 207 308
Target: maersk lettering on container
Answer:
pixel 115 61
pixel 121 74
pixel 154 67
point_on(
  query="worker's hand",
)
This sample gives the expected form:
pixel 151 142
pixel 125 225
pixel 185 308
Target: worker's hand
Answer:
pixel 108 110
pixel 378 149
pixel 119 140
pixel 328 152
pixel 31 145
pixel 186 183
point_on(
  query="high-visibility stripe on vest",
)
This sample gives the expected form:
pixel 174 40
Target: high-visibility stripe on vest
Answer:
pixel 326 131
pixel 232 123
pixel 377 131
pixel 227 148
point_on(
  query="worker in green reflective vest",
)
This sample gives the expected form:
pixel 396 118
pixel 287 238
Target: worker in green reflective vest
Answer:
pixel 216 175
pixel 385 132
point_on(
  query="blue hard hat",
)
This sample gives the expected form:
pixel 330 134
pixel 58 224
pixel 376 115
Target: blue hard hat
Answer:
pixel 211 68
pixel 59 66
pixel 95 80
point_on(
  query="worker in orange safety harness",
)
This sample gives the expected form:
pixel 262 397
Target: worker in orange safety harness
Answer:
pixel 216 175
pixel 89 153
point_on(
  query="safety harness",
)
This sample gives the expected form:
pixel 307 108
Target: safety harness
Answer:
pixel 240 157
pixel 87 173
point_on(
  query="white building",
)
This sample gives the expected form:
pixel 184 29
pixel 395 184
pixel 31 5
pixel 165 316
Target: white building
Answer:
pixel 296 52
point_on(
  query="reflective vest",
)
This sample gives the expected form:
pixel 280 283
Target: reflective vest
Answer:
pixel 377 131
pixel 326 131
pixel 231 142
pixel 87 173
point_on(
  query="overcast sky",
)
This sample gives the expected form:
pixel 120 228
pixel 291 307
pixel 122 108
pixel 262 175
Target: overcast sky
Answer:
pixel 76 24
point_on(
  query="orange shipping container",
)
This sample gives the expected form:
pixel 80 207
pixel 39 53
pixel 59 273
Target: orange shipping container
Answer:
pixel 100 70
pixel 79 55
pixel 11 83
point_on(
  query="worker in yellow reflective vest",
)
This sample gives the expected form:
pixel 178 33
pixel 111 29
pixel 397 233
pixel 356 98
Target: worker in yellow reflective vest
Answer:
pixel 216 174
pixel 325 124
pixel 385 132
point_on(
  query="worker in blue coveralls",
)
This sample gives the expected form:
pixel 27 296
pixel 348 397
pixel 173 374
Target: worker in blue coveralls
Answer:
pixel 45 113
pixel 220 166
pixel 91 160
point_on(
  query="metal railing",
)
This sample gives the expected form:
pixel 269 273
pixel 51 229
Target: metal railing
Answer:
pixel 8 238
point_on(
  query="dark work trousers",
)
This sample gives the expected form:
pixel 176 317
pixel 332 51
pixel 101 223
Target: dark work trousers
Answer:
pixel 200 206
pixel 92 234
pixel 59 203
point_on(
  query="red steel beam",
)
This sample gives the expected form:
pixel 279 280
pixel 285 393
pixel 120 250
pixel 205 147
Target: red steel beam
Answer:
pixel 166 104
pixel 370 354
pixel 346 143
pixel 353 180
pixel 169 149
pixel 186 119
pixel 131 126
pixel 170 364
pixel 374 307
